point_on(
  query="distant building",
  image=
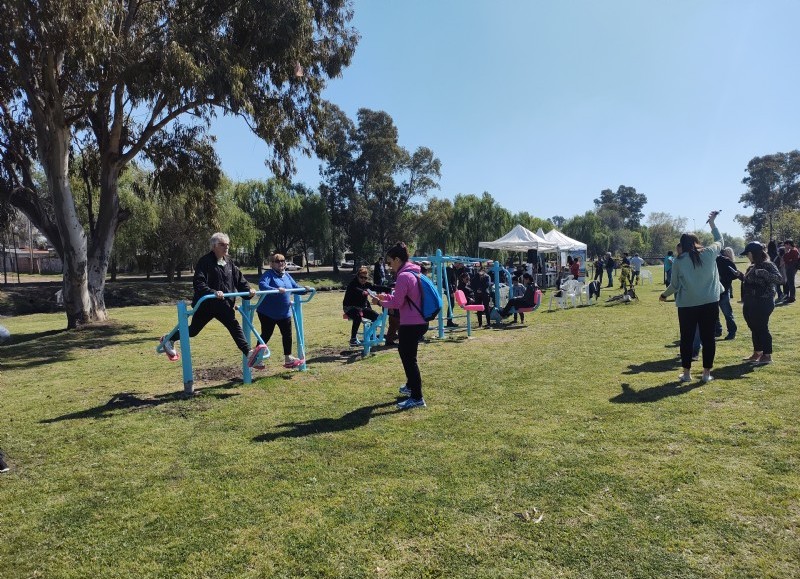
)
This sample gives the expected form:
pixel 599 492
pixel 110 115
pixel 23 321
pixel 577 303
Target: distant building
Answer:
pixel 31 261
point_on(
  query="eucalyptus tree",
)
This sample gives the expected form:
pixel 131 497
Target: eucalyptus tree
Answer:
pixel 773 187
pixel 120 72
pixel 370 182
pixel 625 201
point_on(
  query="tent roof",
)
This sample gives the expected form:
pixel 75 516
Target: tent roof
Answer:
pixel 519 239
pixel 564 242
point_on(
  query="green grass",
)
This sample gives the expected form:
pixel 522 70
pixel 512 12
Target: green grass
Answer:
pixel 575 418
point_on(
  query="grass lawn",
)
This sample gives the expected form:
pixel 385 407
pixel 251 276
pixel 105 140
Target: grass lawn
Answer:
pixel 563 448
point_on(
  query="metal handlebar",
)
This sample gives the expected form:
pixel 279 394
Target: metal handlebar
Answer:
pixel 246 295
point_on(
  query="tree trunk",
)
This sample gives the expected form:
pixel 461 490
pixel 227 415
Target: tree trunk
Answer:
pixel 55 157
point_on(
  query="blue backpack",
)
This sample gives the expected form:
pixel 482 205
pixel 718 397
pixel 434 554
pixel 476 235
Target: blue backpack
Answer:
pixel 430 300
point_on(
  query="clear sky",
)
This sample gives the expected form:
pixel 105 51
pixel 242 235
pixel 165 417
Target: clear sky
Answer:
pixel 544 103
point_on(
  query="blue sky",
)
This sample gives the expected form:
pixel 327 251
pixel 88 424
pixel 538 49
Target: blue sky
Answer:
pixel 545 103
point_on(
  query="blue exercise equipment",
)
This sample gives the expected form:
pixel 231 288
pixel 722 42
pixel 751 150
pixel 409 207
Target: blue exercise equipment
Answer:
pixel 247 310
pixel 438 262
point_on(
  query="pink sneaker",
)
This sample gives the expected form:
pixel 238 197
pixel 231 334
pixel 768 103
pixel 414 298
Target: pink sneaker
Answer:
pixel 169 349
pixel 294 363
pixel 255 359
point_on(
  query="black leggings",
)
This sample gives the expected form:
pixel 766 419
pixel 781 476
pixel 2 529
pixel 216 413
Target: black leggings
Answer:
pixel 756 314
pixel 285 326
pixel 356 314
pixel 220 310
pixel 705 318
pixel 408 343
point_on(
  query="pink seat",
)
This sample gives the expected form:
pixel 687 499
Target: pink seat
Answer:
pixel 461 300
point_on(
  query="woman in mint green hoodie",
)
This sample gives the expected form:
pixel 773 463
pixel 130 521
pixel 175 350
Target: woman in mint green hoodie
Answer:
pixel 695 283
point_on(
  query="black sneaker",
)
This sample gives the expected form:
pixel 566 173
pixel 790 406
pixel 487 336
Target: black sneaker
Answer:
pixel 3 465
pixel 452 324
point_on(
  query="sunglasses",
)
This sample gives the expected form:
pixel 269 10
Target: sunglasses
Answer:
pixel 278 261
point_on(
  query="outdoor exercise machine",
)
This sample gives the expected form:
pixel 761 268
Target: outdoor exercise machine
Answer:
pixel 439 278
pixel 372 333
pixel 247 309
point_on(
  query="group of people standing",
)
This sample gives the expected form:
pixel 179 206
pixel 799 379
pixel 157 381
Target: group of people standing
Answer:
pixel 701 278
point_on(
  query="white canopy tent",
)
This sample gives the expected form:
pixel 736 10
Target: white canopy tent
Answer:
pixel 520 239
pixel 563 242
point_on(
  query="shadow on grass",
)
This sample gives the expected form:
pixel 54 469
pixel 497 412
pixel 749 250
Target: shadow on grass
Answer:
pixel 18 338
pixel 654 366
pixel 654 394
pixel 42 348
pixel 130 401
pixel 350 421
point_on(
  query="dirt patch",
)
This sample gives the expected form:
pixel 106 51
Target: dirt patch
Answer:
pixel 219 374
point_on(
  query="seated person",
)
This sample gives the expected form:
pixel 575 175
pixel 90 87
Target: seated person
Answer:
pixel 356 301
pixel 517 291
pixel 528 299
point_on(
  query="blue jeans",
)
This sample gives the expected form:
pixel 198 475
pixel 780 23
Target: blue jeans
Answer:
pixel 726 310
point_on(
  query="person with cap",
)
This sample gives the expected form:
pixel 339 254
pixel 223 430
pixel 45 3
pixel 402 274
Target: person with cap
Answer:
pixel 758 295
pixel 695 283
pixel 790 258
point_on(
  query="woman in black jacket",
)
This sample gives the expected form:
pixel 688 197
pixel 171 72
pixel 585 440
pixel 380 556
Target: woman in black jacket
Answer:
pixel 356 301
pixel 758 295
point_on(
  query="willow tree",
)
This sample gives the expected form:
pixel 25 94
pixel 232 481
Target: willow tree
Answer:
pixel 121 71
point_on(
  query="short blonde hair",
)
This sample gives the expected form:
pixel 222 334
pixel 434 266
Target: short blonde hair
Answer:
pixel 219 237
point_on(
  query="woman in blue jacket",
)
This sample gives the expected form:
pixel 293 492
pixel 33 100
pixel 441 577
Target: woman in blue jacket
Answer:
pixel 275 310
pixel 695 283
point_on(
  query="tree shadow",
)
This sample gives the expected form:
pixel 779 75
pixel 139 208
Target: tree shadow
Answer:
pixel 21 338
pixel 40 349
pixel 350 421
pixel 131 402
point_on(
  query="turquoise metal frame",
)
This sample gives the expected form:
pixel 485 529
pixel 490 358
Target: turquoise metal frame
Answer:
pixel 247 310
pixel 437 265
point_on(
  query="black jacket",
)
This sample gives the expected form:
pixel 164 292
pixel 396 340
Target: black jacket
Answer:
pixel 210 278
pixel 355 294
pixel 726 269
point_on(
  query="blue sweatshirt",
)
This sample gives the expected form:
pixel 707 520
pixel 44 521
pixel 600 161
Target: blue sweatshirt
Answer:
pixel 696 286
pixel 276 306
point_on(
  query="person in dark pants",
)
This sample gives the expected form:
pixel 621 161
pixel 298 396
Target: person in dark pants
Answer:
pixel 791 257
pixel 406 295
pixel 215 274
pixel 355 303
pixel 526 301
pixel 695 283
pixel 609 263
pixel 598 270
pixel 727 273
pixel 275 310
pixel 758 294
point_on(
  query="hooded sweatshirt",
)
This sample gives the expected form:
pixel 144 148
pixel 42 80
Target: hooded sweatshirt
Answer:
pixel 407 286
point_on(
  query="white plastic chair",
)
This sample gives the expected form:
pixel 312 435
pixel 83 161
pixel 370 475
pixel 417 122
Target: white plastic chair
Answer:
pixel 646 274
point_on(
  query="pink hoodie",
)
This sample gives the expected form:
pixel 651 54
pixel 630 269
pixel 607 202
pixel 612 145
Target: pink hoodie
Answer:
pixel 407 285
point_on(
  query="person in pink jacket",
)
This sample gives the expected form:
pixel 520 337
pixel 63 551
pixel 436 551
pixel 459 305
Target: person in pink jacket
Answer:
pixel 412 325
